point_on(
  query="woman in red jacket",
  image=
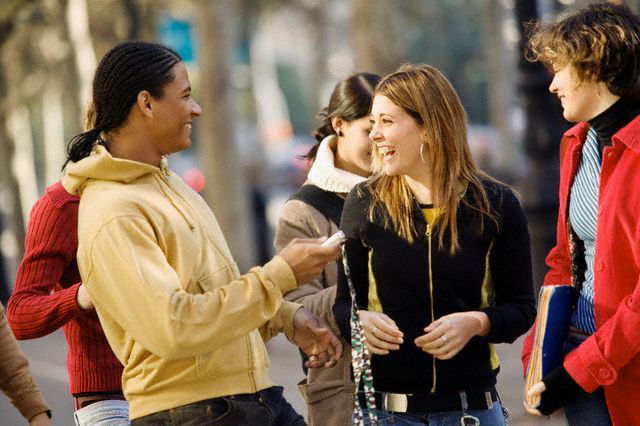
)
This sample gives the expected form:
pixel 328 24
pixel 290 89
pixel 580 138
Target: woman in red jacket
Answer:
pixel 595 56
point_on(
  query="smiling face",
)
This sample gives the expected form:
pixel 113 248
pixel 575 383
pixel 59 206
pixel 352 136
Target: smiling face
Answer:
pixel 173 113
pixel 581 100
pixel 397 138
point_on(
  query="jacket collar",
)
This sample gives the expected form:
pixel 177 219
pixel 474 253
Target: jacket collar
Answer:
pixel 325 175
pixel 629 135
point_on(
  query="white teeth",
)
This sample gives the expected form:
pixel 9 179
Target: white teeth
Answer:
pixel 386 150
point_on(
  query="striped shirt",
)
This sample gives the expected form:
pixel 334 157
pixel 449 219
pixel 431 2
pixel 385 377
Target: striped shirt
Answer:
pixel 583 211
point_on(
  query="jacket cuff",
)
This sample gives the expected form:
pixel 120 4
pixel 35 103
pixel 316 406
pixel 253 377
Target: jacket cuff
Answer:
pixel 280 274
pixel 32 405
pixel 285 317
pixel 592 371
pixel 69 301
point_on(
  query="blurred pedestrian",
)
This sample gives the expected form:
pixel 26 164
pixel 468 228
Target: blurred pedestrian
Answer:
pixel 16 380
pixel 439 257
pixel 49 294
pixel 594 53
pixel 341 159
pixel 185 323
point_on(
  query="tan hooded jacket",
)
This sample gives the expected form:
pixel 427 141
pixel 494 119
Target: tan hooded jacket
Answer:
pixel 176 311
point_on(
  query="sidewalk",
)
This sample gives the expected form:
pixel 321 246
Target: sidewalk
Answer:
pixel 47 360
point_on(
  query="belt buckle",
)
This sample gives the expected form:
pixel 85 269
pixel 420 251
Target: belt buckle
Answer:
pixel 398 402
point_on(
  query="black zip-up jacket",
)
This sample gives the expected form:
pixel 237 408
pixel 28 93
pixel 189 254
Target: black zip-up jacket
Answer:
pixel 491 272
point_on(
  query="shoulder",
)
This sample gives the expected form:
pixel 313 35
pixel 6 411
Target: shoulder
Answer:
pixel 300 211
pixel 55 206
pixel 498 193
pixel 55 196
pixel 104 202
pixel 360 195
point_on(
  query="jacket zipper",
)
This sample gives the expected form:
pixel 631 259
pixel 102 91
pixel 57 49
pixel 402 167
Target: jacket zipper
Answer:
pixel 433 318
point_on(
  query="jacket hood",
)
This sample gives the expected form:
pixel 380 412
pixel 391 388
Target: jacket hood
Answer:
pixel 101 165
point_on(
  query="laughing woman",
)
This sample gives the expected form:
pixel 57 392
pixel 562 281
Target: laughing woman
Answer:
pixel 439 256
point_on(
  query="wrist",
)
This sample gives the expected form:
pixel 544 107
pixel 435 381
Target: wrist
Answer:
pixel 483 323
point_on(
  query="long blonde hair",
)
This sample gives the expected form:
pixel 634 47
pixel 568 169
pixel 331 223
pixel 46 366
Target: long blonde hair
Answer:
pixel 426 95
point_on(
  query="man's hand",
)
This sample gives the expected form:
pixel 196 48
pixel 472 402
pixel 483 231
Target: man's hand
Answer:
pixel 83 298
pixel 316 339
pixel 41 419
pixel 307 258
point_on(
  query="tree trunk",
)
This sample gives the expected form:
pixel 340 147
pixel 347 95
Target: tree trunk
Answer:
pixel 376 45
pixel 12 225
pixel 543 130
pixel 225 190
pixel 53 124
pixel 80 37
pixel 500 83
pixel 23 165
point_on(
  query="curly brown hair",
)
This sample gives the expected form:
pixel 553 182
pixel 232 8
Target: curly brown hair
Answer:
pixel 600 41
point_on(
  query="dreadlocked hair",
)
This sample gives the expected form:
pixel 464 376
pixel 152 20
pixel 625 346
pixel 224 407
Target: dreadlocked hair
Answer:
pixel 123 72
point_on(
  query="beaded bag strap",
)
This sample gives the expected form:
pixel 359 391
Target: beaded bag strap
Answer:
pixel 360 358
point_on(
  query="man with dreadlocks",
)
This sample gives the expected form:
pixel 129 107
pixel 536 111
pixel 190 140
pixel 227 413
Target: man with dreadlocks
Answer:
pixel 186 325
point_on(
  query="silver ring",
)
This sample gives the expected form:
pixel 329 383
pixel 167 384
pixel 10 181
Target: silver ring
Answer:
pixel 444 339
pixel 373 330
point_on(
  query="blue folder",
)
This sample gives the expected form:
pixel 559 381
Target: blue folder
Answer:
pixel 555 306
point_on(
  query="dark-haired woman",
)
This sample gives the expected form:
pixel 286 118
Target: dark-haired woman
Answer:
pixel 341 159
pixel 187 326
pixel 439 257
pixel 49 294
pixel 594 53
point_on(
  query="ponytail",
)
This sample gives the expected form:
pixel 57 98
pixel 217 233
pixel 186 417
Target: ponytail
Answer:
pixel 81 145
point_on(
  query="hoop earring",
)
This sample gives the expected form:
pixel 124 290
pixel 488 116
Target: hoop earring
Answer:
pixel 421 153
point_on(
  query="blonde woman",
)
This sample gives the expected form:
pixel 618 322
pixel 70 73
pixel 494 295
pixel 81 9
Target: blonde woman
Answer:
pixel 439 256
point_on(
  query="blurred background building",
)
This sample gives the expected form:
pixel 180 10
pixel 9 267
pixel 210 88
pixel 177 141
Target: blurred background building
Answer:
pixel 262 69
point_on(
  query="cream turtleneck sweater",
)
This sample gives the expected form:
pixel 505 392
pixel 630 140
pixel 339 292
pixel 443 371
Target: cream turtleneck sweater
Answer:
pixel 325 175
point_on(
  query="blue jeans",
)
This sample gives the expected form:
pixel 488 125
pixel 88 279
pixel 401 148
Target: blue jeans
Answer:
pixel 263 408
pixel 488 417
pixel 586 408
pixel 112 412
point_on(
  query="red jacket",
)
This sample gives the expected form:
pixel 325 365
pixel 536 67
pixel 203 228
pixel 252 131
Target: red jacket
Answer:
pixel 609 357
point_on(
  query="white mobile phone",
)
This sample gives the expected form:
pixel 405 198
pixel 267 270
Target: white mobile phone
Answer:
pixel 338 237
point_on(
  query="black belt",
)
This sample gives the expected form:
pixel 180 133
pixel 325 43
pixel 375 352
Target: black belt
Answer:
pixel 482 399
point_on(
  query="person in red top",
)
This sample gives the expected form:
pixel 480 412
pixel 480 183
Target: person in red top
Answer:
pixel 49 294
pixel 595 57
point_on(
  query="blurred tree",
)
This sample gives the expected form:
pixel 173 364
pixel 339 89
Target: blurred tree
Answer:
pixel 499 82
pixel 544 127
pixel 377 46
pixel 77 17
pixel 225 190
pixel 10 201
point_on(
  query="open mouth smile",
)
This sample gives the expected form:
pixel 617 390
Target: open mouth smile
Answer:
pixel 386 151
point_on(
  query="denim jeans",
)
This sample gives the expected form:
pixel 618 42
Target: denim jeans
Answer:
pixel 586 408
pixel 267 407
pixel 112 412
pixel 488 417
